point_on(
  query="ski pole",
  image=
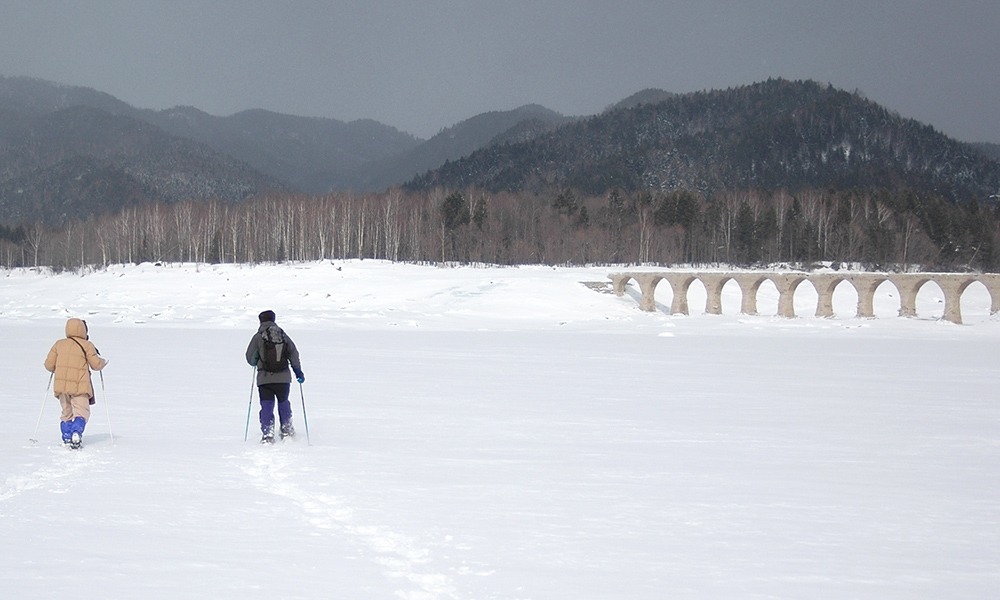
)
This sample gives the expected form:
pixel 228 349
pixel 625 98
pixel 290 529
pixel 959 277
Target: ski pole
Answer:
pixel 33 438
pixel 305 419
pixel 253 378
pixel 107 407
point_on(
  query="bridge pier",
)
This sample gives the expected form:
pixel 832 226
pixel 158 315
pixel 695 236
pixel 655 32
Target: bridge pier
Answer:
pixel 992 283
pixel 647 285
pixel 953 286
pixel 908 285
pixel 680 283
pixel 825 284
pixel 865 285
pixel 749 284
pixel 713 292
pixel 787 284
pixel 619 281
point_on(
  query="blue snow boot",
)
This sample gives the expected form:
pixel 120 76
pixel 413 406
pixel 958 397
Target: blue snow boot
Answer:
pixel 67 434
pixel 76 432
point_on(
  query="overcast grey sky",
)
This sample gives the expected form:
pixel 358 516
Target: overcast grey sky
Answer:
pixel 422 65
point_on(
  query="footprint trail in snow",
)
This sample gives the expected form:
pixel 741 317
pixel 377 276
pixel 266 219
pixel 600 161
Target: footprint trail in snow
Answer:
pixel 398 555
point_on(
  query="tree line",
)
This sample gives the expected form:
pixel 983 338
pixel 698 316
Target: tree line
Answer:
pixel 877 229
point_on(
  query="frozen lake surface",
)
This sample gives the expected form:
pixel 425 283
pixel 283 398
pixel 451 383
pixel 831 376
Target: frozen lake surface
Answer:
pixel 489 433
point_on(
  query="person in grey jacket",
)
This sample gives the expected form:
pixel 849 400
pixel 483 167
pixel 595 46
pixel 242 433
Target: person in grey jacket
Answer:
pixel 272 351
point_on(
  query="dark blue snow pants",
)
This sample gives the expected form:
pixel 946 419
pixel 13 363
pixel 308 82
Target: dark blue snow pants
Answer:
pixel 269 394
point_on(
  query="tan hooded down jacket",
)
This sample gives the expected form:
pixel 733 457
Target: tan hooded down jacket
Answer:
pixel 69 362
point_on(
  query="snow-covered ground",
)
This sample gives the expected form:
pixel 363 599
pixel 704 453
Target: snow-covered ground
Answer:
pixel 488 433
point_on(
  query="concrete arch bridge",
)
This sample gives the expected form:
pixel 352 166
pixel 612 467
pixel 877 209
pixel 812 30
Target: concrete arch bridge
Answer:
pixel 907 284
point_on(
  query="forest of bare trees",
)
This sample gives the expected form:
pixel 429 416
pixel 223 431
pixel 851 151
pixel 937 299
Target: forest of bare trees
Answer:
pixel 878 230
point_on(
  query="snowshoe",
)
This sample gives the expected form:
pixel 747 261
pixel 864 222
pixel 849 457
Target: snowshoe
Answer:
pixel 267 439
pixel 76 441
pixel 287 433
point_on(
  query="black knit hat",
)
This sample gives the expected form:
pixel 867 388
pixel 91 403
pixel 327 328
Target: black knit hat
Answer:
pixel 267 315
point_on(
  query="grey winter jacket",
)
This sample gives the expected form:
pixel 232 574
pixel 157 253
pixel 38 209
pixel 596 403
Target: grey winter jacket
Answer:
pixel 254 350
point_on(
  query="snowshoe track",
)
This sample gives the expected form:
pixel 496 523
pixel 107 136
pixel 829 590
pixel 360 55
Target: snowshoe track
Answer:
pixel 59 463
pixel 399 556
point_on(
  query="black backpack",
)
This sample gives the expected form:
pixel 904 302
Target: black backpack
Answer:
pixel 273 354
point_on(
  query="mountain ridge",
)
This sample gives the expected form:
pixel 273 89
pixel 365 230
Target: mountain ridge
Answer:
pixel 770 135
pixel 79 160
pixel 56 146
pixel 461 139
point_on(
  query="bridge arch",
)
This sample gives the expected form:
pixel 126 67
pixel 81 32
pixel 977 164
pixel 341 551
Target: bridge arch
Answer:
pixel 975 312
pixel 931 301
pixel 885 300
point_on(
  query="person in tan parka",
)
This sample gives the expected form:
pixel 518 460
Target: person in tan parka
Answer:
pixel 70 361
